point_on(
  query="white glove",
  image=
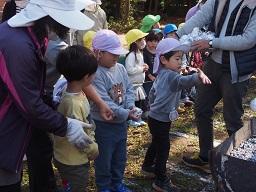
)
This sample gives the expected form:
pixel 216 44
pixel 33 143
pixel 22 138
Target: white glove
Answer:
pixel 76 135
pixel 253 104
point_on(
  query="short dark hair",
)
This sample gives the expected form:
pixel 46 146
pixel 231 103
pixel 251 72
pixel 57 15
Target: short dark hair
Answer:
pixel 168 55
pixel 75 62
pixel 154 36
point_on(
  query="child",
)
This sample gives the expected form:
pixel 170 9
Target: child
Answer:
pixel 87 39
pixel 164 100
pixel 135 66
pixel 152 39
pixel 170 30
pixel 150 22
pixel 113 85
pixel 78 65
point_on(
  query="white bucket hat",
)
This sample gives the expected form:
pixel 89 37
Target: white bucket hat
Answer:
pixel 65 12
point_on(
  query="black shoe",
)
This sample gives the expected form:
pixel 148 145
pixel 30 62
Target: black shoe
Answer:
pixel 164 186
pixel 148 171
pixel 197 163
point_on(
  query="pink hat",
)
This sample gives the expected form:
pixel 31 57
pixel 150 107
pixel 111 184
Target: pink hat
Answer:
pixel 166 45
pixel 107 40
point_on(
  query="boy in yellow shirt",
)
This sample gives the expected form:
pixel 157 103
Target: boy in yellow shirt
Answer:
pixel 78 65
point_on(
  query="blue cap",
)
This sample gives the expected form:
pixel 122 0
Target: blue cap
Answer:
pixel 169 28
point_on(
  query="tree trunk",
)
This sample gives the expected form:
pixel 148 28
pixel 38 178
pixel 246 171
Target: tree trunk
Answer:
pixel 124 9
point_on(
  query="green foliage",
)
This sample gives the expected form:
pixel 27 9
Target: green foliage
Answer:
pixel 121 26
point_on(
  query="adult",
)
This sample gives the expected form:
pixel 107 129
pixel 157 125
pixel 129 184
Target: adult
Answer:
pixel 9 10
pixel 98 15
pixel 229 67
pixel 22 74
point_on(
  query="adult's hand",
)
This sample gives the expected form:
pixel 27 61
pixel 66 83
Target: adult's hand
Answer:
pixel 200 45
pixel 76 135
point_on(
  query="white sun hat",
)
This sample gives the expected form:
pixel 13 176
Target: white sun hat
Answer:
pixel 65 12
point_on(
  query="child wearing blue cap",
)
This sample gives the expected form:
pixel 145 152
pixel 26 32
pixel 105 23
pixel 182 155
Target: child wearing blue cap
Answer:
pixel 169 30
pixel 164 99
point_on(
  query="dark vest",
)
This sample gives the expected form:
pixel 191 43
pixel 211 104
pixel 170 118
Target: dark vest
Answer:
pixel 245 60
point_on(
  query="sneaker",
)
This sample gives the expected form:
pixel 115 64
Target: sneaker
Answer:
pixel 132 123
pixel 187 102
pixel 197 163
pixel 142 123
pixel 121 188
pixel 148 171
pixel 164 186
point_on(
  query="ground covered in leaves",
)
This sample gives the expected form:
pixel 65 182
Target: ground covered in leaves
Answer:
pixel 183 140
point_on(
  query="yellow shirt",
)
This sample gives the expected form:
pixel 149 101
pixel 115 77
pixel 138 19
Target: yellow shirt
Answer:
pixel 74 106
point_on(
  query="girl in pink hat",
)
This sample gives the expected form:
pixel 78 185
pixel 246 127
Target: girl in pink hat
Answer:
pixel 113 85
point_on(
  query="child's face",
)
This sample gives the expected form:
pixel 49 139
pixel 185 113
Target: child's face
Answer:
pixel 151 45
pixel 141 43
pixel 87 80
pixel 171 35
pixel 107 59
pixel 174 62
pixel 156 26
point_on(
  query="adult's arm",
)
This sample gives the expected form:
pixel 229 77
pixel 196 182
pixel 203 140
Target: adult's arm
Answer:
pixel 22 74
pixel 119 112
pixel 241 42
pixel 105 111
pixel 201 18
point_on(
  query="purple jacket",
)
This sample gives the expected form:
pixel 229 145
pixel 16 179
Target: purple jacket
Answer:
pixel 22 76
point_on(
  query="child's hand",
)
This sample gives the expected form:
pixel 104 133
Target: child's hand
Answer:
pixel 203 77
pixel 145 67
pixel 184 70
pixel 191 69
pixel 132 115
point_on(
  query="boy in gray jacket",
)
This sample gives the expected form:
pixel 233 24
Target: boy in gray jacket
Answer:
pixel 113 85
pixel 164 99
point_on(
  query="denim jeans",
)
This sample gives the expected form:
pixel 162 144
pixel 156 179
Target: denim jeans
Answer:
pixel 209 95
pixel 110 164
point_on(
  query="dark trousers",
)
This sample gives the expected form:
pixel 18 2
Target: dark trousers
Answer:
pixel 158 151
pixel 39 158
pixel 11 188
pixel 209 95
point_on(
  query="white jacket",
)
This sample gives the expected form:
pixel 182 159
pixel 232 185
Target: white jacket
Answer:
pixel 135 69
